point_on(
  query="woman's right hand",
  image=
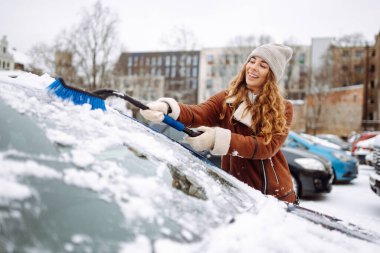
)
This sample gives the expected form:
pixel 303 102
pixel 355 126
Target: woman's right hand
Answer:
pixel 156 111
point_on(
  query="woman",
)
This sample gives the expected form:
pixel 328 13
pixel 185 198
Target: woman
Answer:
pixel 246 124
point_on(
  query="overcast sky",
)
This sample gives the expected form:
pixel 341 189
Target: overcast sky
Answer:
pixel 214 22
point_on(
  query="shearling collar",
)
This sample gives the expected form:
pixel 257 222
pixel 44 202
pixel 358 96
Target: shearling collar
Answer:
pixel 239 114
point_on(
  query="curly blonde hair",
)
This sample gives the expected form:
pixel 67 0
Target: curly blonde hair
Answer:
pixel 268 109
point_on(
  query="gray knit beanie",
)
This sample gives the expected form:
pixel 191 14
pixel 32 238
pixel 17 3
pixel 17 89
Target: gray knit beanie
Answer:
pixel 276 55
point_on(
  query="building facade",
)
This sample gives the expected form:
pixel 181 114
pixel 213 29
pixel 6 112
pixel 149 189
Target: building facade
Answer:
pixel 218 66
pixel 178 69
pixel 297 76
pixel 337 111
pixel 371 104
pixel 6 58
pixel 349 65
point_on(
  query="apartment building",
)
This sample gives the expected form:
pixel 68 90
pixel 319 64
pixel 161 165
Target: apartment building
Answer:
pixel 349 65
pixel 218 66
pixel 178 69
pixel 371 104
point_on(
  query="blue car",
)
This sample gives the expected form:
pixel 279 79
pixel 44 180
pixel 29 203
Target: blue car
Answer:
pixel 345 167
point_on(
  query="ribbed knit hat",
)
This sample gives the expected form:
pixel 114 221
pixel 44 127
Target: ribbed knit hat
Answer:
pixel 276 55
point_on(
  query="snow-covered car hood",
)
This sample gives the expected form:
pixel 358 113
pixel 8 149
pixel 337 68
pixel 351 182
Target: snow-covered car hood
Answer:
pixel 79 180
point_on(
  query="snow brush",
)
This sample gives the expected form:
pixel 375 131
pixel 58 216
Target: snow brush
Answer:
pixel 97 101
pixel 105 93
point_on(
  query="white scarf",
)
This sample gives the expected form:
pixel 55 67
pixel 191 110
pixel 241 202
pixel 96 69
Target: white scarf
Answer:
pixel 238 114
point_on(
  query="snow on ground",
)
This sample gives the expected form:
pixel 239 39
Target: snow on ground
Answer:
pixel 354 202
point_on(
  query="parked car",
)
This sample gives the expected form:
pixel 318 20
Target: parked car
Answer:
pixel 345 167
pixel 363 149
pixel 311 174
pixel 79 180
pixel 344 145
pixel 374 178
pixel 361 137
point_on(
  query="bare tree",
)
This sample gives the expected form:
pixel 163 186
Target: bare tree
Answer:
pixel 351 40
pixel 84 53
pixel 42 57
pixel 180 38
pixel 317 95
pixel 92 42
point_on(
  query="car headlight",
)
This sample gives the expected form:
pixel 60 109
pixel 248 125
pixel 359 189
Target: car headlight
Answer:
pixel 310 164
pixel 341 156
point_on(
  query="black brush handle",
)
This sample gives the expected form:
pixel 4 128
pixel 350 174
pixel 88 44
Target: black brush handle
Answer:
pixel 105 93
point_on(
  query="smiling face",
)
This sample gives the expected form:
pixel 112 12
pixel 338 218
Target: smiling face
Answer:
pixel 256 72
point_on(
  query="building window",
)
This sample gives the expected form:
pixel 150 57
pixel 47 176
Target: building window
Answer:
pixel 167 71
pixel 4 50
pixel 130 61
pixel 210 59
pixel 209 84
pixel 372 84
pixel 188 60
pixel 228 59
pixel 345 68
pixel 193 84
pixel 182 71
pixel 158 71
pixel 236 59
pixel 167 60
pixel 153 61
pixel 173 72
pixel 359 53
pixel 345 53
pixel 153 71
pixel 183 59
pixel 135 60
pixel 159 60
pixel 195 60
pixel 301 59
pixel 188 72
pixel 195 71
pixel 358 69
pixel 372 69
pixel 174 60
pixel 147 61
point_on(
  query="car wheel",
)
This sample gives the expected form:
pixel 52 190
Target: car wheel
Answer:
pixel 296 186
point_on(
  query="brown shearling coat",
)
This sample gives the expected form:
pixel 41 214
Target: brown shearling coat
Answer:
pixel 261 166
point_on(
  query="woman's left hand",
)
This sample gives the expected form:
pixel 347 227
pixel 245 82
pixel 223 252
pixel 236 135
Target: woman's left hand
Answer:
pixel 205 141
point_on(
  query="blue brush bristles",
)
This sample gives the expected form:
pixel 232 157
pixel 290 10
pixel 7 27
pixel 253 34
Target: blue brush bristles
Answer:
pixel 78 97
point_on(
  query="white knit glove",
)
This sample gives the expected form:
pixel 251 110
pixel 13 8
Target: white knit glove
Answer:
pixel 156 112
pixel 202 142
pixel 216 139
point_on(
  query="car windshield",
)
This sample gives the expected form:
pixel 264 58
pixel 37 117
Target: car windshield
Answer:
pixel 93 172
